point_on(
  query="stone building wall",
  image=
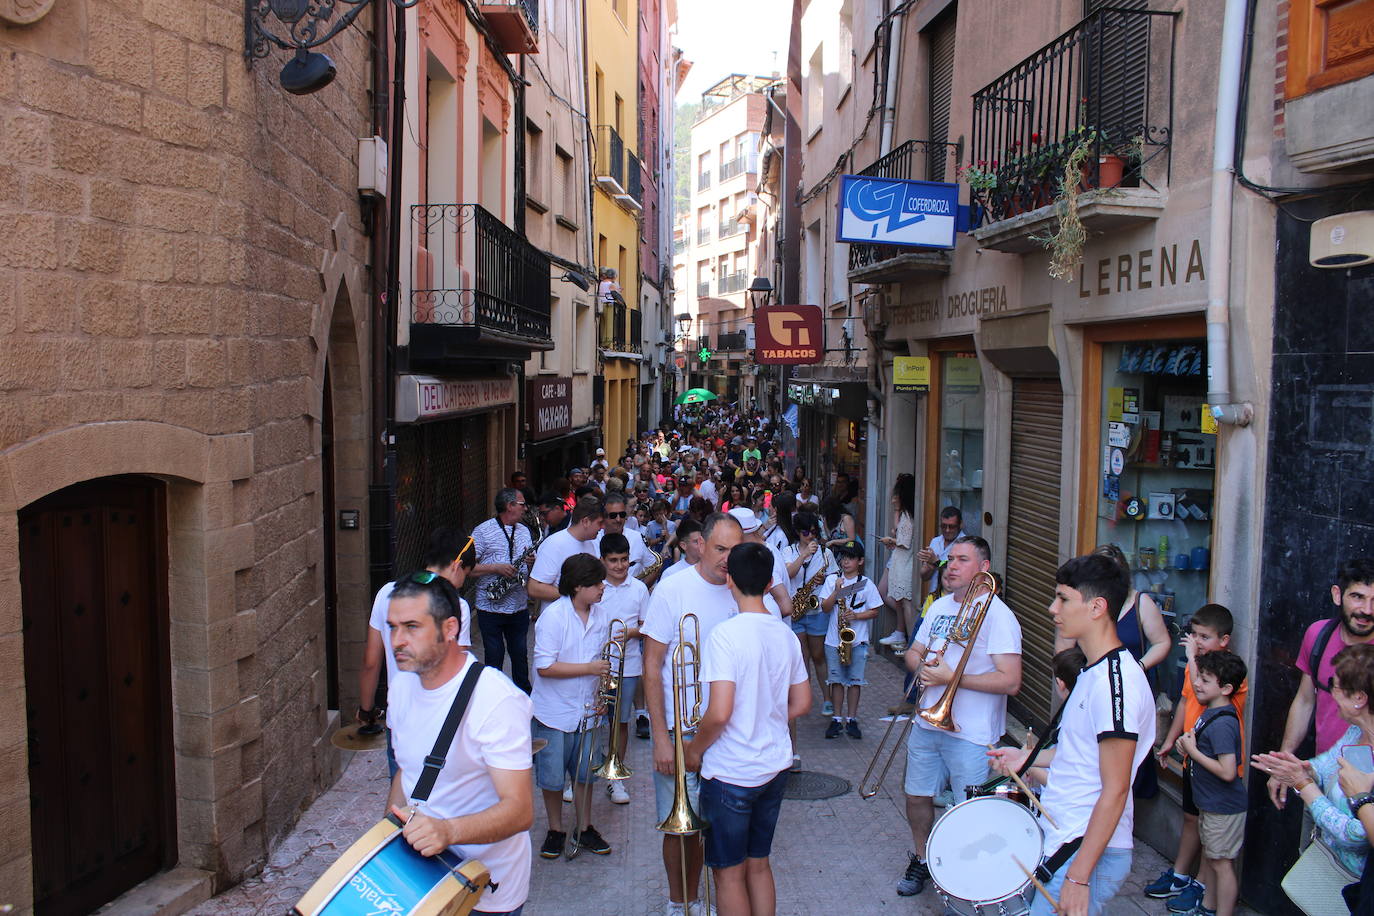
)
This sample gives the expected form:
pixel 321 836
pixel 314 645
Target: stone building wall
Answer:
pixel 180 252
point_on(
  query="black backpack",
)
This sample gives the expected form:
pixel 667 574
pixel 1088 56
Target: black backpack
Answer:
pixel 1319 649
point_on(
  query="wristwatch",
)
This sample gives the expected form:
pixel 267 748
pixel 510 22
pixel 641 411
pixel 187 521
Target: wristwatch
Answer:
pixel 1359 801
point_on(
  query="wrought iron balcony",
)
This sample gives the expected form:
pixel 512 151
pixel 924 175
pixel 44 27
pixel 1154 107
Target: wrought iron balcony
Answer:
pixel 610 159
pixel 633 198
pixel 634 337
pixel 703 289
pixel 731 227
pixel 730 340
pixel 1102 92
pixel 924 160
pixel 733 283
pixel 515 23
pixel 477 282
pixel 613 326
pixel 704 180
pixel 704 235
pixel 737 166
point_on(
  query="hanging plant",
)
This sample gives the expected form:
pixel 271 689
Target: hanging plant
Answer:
pixel 1066 242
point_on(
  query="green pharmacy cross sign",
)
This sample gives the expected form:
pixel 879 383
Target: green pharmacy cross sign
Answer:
pixel 704 355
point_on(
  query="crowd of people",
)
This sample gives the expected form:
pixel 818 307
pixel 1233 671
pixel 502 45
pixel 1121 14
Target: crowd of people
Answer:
pixel 664 586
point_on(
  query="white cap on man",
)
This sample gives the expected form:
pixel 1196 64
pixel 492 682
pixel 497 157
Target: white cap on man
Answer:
pixel 748 521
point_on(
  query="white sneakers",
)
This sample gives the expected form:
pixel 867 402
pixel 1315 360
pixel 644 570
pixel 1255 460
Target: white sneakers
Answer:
pixel 616 789
pixel 893 640
pixel 567 794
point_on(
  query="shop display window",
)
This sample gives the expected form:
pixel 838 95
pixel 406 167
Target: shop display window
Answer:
pixel 1155 476
pixel 961 437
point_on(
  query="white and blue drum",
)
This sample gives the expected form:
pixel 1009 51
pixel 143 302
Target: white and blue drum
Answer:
pixel 976 852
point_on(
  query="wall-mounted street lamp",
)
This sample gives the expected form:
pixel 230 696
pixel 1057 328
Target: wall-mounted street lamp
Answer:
pixel 760 291
pixel 300 25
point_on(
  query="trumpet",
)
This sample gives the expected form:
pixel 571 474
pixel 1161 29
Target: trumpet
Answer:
pixel 805 600
pixel 607 696
pixel 963 632
pixel 683 820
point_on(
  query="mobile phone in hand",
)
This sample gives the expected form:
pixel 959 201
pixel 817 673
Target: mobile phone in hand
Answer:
pixel 1360 756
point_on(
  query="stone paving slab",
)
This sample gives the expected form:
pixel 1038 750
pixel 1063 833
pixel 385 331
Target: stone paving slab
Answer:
pixel 835 856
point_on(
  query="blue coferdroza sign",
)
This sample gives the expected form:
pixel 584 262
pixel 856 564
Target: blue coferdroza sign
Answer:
pixel 896 211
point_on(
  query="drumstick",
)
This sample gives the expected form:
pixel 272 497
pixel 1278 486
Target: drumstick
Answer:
pixel 1038 886
pixel 1034 799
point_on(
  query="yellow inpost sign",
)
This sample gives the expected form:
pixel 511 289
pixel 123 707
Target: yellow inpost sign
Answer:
pixel 911 373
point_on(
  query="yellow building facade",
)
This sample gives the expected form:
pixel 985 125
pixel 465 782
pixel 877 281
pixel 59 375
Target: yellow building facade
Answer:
pixel 617 205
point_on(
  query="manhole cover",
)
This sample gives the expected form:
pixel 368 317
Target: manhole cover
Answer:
pixel 805 785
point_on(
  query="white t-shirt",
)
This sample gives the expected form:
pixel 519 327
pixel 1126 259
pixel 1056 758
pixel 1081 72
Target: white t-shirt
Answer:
pixel 640 555
pixel 776 539
pixel 1111 700
pixel 708 490
pixel 495 733
pixel 626 602
pixel 683 594
pixel 377 621
pixel 548 562
pixel 760 655
pixel 864 599
pixel 561 636
pixel 780 576
pixel 809 567
pixel 680 566
pixel 982 717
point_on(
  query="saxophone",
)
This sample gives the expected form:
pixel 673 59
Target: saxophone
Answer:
pixel 499 587
pixel 845 625
pixel 650 570
pixel 805 600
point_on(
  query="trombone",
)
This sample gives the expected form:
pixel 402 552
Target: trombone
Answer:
pixel 682 820
pixel 607 696
pixel 962 632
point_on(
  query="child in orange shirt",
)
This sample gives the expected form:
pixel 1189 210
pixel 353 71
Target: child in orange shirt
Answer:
pixel 1209 631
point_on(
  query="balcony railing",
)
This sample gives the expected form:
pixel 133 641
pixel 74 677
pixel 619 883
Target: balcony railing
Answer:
pixel 703 289
pixel 704 235
pixel 731 227
pixel 679 246
pixel 507 288
pixel 634 337
pixel 925 160
pixel 704 180
pixel 733 283
pixel 610 158
pixel 737 166
pixel 515 23
pixel 621 328
pixel 1106 85
pixel 635 176
pixel 730 340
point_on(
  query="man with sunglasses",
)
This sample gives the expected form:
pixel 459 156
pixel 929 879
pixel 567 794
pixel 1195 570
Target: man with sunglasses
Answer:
pixel 449 555
pixel 617 514
pixel 502 545
pixel 482 803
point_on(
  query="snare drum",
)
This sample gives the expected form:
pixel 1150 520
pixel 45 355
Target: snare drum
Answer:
pixel 972 854
pixel 1001 790
pixel 381 873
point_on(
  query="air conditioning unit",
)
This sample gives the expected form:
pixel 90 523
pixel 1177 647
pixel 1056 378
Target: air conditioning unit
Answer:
pixel 372 164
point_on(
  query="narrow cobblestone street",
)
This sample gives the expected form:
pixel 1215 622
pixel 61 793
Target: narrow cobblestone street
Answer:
pixel 838 855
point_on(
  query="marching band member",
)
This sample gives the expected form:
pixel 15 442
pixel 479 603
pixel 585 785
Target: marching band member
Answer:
pixel 624 599
pixel 861 600
pixel 992 674
pixel 701 590
pixel 758 685
pixel 481 805
pixel 617 513
pixel 1107 728
pixel 688 538
pixel 568 666
pixel 579 537
pixel 809 562
pixel 751 530
pixel 503 543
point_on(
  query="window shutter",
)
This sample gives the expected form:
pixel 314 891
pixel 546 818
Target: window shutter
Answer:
pixel 941 90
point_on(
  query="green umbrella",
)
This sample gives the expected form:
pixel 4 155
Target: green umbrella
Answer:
pixel 695 396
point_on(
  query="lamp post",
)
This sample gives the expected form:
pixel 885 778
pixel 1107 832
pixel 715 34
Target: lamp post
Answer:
pixel 307 24
pixel 760 292
pixel 684 326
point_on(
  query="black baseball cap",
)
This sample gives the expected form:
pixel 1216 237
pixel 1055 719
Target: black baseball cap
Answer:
pixel 850 548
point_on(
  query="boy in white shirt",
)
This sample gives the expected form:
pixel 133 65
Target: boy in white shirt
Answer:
pixel 851 591
pixel 624 599
pixel 742 750
pixel 568 638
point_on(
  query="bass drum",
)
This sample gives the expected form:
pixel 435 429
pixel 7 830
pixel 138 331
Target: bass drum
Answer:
pixel 973 853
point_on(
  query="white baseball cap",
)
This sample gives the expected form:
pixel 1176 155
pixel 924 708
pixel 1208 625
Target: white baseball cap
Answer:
pixel 600 452
pixel 748 521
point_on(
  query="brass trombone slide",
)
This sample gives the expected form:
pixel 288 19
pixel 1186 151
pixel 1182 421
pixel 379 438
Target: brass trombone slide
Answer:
pixel 683 820
pixel 963 632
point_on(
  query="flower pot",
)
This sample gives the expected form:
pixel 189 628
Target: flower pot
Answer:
pixel 1109 171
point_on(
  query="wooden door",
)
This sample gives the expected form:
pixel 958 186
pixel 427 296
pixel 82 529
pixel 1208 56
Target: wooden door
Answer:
pixel 93 580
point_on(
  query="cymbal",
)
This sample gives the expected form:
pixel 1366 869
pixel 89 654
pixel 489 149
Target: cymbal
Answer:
pixel 349 738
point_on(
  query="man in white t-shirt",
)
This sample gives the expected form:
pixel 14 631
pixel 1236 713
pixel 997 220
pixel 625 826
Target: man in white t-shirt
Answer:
pixel 703 592
pixel 1107 728
pixel 752 530
pixel 451 554
pixel 992 674
pixel 617 515
pixel 688 537
pixel 481 804
pixel 742 748
pixel 579 537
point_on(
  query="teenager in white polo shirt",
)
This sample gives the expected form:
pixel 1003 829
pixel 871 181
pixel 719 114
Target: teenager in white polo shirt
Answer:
pixel 742 749
pixel 689 540
pixel 1107 728
pixel 579 537
pixel 481 804
pixel 624 599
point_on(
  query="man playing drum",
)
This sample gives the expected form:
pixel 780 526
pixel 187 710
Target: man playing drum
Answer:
pixel 1107 728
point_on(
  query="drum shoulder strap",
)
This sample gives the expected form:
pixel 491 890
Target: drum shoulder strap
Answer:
pixel 1057 859
pixel 435 761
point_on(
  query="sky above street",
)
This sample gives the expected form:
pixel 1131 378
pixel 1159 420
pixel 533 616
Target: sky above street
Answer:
pixel 721 37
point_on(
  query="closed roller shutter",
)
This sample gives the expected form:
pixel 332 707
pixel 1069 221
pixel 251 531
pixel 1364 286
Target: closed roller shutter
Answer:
pixel 441 479
pixel 941 90
pixel 1037 420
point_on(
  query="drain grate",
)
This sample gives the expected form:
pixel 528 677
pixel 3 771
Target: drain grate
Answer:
pixel 804 785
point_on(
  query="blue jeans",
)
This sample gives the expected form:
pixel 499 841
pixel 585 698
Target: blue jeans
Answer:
pixel 502 632
pixel 515 912
pixel 1111 872
pixel 740 819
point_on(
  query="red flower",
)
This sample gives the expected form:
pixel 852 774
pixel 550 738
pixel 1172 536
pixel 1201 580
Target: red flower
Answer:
pixel 1035 137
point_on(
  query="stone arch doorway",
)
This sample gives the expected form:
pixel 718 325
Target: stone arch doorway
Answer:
pixel 93 580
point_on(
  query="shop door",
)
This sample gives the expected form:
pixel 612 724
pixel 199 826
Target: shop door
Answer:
pixel 93 585
pixel 1037 420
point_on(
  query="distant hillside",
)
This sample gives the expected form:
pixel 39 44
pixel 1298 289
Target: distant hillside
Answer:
pixel 682 156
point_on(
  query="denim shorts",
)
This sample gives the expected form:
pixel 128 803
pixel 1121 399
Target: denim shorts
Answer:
pixel 933 755
pixel 665 786
pixel 627 698
pixel 813 624
pixel 740 820
pixel 563 755
pixel 850 675
pixel 1113 868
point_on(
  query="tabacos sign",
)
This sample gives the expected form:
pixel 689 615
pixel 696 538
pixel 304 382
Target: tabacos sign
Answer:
pixel 788 335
